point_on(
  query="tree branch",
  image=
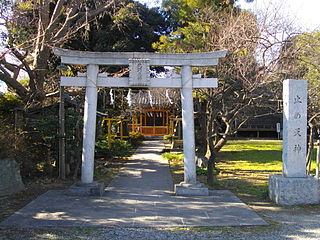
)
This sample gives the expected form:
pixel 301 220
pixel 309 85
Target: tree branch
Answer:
pixel 27 68
pixel 13 83
pixel 71 25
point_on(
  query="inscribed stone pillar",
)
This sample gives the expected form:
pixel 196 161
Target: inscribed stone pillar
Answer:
pixel 294 128
pixel 188 126
pixel 294 186
pixel 89 128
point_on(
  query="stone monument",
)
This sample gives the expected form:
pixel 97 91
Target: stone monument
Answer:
pixel 10 179
pixel 294 186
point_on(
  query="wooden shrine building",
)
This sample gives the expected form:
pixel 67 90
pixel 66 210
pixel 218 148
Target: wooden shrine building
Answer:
pixel 151 114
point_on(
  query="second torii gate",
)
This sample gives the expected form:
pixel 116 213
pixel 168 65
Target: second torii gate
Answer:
pixel 139 64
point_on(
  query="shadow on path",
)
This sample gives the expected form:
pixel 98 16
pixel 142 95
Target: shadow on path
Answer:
pixel 141 196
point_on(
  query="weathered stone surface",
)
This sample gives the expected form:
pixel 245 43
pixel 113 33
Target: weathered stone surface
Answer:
pixel 184 189
pixel 139 77
pixel 140 196
pixel 188 126
pixel 156 59
pixel 294 128
pixel 10 178
pixel 91 189
pixel 293 191
pixel 294 187
pixel 171 82
pixel 89 123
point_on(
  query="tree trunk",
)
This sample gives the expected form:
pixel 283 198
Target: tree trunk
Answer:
pixel 12 83
pixel 310 148
pixel 211 175
pixel 42 50
pixel 224 138
pixel 40 70
pixel 211 153
pixel 203 129
pixel 62 137
pixel 78 144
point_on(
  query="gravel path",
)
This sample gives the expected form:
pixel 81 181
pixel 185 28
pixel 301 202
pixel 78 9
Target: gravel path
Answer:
pixel 153 234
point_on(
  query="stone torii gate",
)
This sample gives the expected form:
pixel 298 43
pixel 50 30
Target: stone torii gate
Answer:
pixel 139 64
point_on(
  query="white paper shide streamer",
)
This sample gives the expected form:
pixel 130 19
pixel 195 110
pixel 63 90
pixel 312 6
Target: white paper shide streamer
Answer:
pixel 150 99
pixel 111 97
pixel 168 97
pixel 129 98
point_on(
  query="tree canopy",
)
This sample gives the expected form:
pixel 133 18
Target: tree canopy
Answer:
pixel 34 27
pixel 245 90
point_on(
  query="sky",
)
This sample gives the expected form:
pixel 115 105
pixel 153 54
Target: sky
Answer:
pixel 304 13
pixel 3 88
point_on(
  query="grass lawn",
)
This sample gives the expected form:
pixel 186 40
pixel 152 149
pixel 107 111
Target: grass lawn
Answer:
pixel 244 167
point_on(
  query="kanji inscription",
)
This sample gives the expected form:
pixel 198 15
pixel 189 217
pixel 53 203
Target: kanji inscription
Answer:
pixel 294 128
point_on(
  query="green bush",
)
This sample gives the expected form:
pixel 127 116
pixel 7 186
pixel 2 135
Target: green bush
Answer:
pixel 33 138
pixel 121 148
pixel 8 103
pixel 27 149
pixel 116 147
pixel 135 138
pixel 102 147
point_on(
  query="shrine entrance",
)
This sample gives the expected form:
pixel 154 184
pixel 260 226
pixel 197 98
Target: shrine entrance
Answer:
pixel 139 77
pixel 152 122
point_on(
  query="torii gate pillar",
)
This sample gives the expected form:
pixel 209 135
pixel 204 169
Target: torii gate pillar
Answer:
pixel 188 126
pixel 139 64
pixel 89 124
pixel 189 186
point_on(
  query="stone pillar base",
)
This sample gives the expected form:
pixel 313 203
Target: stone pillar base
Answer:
pixel 90 189
pixel 185 189
pixel 293 191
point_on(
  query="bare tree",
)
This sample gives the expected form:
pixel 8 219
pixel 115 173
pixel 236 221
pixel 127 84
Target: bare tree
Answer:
pixel 300 60
pixel 253 72
pixel 56 21
pixel 249 84
pixel 246 85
